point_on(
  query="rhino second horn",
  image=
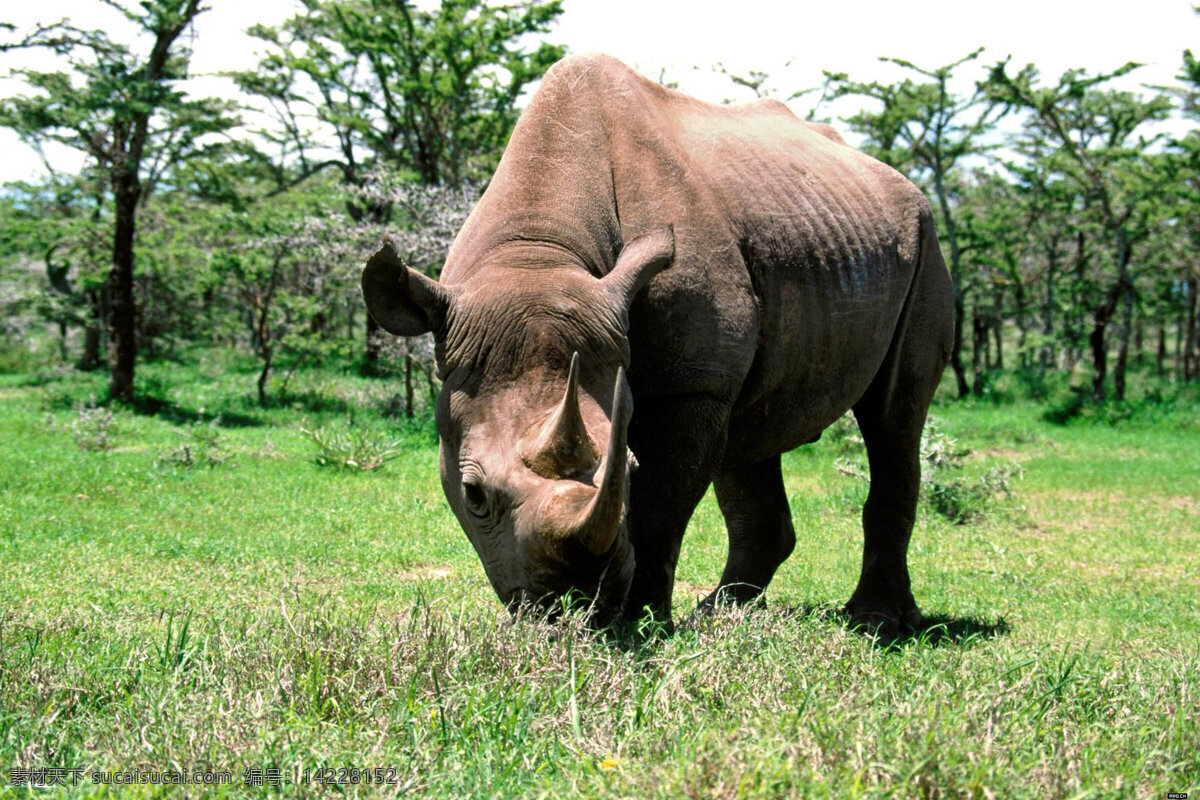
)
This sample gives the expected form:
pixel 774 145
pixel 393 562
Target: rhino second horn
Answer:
pixel 564 449
pixel 601 518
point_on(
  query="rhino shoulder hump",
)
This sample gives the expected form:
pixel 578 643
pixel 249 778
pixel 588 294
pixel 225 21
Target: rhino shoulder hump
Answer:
pixel 826 130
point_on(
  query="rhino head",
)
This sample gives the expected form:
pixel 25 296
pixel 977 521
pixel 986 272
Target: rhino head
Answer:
pixel 533 415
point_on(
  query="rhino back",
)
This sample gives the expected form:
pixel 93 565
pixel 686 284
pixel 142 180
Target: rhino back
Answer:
pixel 830 241
pixel 794 252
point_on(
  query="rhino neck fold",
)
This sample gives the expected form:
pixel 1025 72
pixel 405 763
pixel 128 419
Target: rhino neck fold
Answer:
pixel 522 253
pixel 545 240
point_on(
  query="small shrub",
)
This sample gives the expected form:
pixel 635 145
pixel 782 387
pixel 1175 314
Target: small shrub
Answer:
pixel 843 436
pixel 267 451
pixel 93 427
pixel 355 449
pixel 964 501
pixel 202 448
pixel 959 500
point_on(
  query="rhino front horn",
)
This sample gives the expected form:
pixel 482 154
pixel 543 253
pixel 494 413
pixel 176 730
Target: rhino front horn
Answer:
pixel 600 520
pixel 563 448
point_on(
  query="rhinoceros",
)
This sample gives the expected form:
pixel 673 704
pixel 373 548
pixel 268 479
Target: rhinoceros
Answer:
pixel 655 294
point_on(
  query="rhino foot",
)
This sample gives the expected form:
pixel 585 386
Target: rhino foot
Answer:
pixel 884 619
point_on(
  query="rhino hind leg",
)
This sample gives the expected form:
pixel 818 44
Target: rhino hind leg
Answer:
pixel 891 415
pixel 761 536
pixel 883 599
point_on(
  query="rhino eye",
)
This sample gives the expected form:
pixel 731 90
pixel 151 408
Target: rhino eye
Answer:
pixel 475 497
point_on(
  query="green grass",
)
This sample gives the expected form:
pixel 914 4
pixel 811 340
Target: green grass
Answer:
pixel 263 612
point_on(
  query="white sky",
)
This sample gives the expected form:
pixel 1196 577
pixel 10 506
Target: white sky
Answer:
pixel 682 40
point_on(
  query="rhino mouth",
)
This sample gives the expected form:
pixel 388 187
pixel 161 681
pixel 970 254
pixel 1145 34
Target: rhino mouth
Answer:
pixel 600 597
pixel 553 609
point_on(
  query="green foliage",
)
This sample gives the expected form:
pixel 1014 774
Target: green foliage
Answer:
pixel 126 114
pixel 920 127
pixel 1092 143
pixel 1078 250
pixel 113 104
pixel 354 449
pixel 965 501
pixel 430 92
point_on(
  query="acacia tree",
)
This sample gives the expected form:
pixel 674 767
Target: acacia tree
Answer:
pixel 126 112
pixel 1098 150
pixel 924 130
pixel 362 86
pixel 1057 232
pixel 1184 172
pixel 278 260
pixel 433 216
pixel 992 217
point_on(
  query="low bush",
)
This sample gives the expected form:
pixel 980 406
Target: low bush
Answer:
pixel 358 449
pixel 203 447
pixel 93 427
pixel 960 500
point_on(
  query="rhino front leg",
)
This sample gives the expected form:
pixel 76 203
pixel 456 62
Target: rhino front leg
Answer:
pixel 761 536
pixel 678 443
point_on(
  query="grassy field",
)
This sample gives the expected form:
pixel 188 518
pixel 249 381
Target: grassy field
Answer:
pixel 254 611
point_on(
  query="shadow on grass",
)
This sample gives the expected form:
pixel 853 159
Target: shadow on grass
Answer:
pixel 315 403
pixel 149 406
pixel 174 413
pixel 936 630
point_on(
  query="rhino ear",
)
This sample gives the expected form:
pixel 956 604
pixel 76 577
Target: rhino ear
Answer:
pixel 402 300
pixel 640 260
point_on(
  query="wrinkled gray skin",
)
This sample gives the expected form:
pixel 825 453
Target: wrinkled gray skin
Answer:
pixel 750 274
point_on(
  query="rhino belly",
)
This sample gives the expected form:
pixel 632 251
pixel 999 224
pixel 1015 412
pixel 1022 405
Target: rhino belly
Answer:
pixel 813 364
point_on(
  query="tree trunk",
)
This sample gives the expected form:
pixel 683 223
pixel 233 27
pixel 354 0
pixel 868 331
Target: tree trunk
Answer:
pixel 408 380
pixel 1101 316
pixel 997 325
pixel 1046 357
pixel 371 352
pixel 90 358
pixel 998 338
pixel 266 354
pixel 1022 327
pixel 1191 353
pixel 1180 323
pixel 1123 345
pixel 1078 305
pixel 261 325
pixel 63 332
pixel 956 363
pixel 979 351
pixel 122 311
pixel 1126 289
pixel 960 316
pixel 1160 357
pixel 1139 338
pixel 1099 356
